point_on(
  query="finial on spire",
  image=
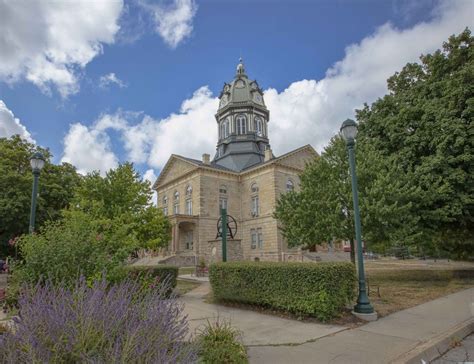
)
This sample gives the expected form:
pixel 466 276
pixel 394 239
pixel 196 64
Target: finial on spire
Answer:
pixel 240 67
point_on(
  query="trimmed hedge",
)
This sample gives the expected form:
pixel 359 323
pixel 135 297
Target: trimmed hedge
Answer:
pixel 153 275
pixel 314 289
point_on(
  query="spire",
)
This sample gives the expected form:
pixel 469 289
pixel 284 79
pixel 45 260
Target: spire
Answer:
pixel 240 68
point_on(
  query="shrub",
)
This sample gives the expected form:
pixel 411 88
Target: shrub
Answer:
pixel 154 276
pixel 315 289
pixel 97 324
pixel 219 343
pixel 75 246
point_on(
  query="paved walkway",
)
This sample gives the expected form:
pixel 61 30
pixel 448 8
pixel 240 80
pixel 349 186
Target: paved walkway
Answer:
pixel 271 339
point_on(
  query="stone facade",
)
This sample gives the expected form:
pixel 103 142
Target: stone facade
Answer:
pixel 244 176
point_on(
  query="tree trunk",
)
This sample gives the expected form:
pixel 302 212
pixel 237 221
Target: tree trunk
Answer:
pixel 353 256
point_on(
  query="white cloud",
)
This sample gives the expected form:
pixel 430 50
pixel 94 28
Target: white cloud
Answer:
pixel 311 111
pixel 89 149
pixel 10 125
pixel 307 112
pixel 49 42
pixel 150 176
pixel 174 23
pixel 111 79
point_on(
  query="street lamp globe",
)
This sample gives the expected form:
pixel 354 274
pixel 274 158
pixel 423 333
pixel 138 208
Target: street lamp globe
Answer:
pixel 349 130
pixel 37 162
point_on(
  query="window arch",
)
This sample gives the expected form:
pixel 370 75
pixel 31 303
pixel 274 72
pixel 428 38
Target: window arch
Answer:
pixel 176 196
pixel 223 189
pixel 254 187
pixel 290 186
pixel 259 126
pixel 241 123
pixel 189 190
pixel 165 200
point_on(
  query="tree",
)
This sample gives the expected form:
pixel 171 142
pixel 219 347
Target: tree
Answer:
pixel 122 196
pixel 424 125
pixel 57 183
pixel 323 209
pixel 414 163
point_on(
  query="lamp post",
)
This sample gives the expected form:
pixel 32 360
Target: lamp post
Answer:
pixel 349 133
pixel 37 163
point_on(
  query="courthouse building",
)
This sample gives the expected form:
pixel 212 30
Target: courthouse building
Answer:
pixel 243 176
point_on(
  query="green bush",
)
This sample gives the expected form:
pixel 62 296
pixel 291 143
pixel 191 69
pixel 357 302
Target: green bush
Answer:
pixel 219 343
pixel 151 277
pixel 315 289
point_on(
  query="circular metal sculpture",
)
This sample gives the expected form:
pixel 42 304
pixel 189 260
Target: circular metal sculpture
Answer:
pixel 231 227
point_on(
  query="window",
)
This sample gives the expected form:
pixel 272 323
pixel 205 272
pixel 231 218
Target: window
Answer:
pixel 255 206
pixel 223 189
pixel 255 199
pixel 225 128
pixel 259 126
pixel 189 206
pixel 176 203
pixel 256 238
pixel 241 122
pixel 253 235
pixel 165 205
pixel 290 186
pixel 189 240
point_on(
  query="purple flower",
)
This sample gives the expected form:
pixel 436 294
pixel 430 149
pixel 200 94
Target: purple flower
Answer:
pixel 98 324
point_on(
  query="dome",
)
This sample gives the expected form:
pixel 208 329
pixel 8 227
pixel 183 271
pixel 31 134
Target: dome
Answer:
pixel 241 90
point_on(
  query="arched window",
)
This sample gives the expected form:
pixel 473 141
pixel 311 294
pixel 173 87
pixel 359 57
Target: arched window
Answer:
pixel 255 208
pixel 290 186
pixel 176 203
pixel 259 126
pixel 223 189
pixel 241 122
pixel 225 128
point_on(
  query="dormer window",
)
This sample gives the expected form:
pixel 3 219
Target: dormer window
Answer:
pixel 241 122
pixel 259 126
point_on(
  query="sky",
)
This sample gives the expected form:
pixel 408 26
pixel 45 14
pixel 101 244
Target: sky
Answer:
pixel 104 82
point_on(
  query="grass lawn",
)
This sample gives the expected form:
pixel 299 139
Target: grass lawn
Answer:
pixel 404 284
pixel 183 286
pixel 186 270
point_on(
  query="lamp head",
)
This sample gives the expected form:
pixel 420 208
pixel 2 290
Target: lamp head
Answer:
pixel 37 162
pixel 349 130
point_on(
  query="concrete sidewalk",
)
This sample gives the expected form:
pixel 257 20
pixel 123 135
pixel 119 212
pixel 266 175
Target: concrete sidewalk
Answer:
pixel 382 341
pixel 272 339
pixel 257 328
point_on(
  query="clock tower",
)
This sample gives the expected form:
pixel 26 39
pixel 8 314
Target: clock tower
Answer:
pixel 242 120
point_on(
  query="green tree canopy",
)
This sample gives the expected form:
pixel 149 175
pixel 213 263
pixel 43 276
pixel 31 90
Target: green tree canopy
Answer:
pixel 122 195
pixel 424 125
pixel 57 183
pixel 414 162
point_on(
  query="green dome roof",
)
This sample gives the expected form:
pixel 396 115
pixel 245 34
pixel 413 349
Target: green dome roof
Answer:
pixel 241 90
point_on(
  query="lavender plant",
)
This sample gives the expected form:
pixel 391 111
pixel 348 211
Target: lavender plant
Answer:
pixel 97 324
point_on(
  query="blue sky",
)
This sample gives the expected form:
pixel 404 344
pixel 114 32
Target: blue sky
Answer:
pixel 138 80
